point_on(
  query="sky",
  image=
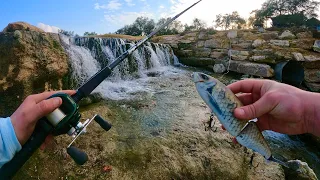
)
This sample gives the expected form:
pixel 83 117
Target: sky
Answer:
pixel 106 16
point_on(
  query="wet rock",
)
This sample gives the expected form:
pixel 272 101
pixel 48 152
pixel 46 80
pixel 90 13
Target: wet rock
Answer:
pixel 282 43
pixel 315 87
pixel 316 46
pixel 219 68
pixel 299 171
pixel 251 68
pixel 21 26
pixel 305 35
pixel 258 43
pixel 312 75
pixel 287 35
pixel 298 56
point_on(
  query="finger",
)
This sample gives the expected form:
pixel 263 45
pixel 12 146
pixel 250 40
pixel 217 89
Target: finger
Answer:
pixel 39 97
pixel 246 86
pixel 246 98
pixel 257 109
pixel 234 140
pixel 47 141
pixel 45 107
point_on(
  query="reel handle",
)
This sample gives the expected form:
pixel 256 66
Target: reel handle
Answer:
pixel 103 123
pixel 77 155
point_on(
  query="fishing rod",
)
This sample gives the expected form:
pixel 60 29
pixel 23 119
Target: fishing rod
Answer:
pixel 66 119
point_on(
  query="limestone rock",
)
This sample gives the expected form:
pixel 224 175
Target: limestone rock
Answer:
pixel 312 62
pixel 312 75
pixel 315 87
pixel 258 43
pixel 305 35
pixel 282 43
pixel 200 44
pixel 211 44
pixel 219 53
pixel 255 69
pixel 316 46
pixel 202 52
pixel 239 55
pixel 287 35
pixel 245 45
pixel 232 34
pixel 31 64
pixel 300 171
pixel 270 35
pixel 21 26
pixel 298 56
pixel 219 68
pixel 306 44
pixel 196 61
pixel 203 36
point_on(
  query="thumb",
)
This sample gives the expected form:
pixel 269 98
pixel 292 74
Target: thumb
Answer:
pixel 261 107
pixel 46 106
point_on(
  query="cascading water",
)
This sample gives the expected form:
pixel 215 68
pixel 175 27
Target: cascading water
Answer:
pixel 89 55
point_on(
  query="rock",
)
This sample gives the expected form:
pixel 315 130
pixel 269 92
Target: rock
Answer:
pixel 263 59
pixel 17 34
pixel 287 35
pixel 261 30
pixel 258 43
pixel 184 53
pixel 254 69
pixel 197 62
pixel 200 44
pixel 316 46
pixel 270 35
pixel 239 55
pixel 202 52
pixel 312 75
pixel 34 63
pixel 219 53
pixel 315 87
pixel 219 68
pixel 305 35
pixel 306 44
pixel 211 44
pixel 203 36
pixel 232 34
pixel 245 45
pixel 298 56
pixel 299 171
pixel 21 26
pixel 264 52
pixel 282 43
pixel 311 61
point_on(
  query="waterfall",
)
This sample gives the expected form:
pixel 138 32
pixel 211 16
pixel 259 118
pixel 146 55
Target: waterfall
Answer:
pixel 89 55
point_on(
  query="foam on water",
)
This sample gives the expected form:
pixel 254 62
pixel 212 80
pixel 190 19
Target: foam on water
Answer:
pixel 122 84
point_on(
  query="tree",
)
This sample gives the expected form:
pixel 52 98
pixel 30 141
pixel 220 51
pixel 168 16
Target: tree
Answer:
pixel 232 20
pixel 173 28
pixel 140 25
pixel 198 24
pixel 90 34
pixel 67 33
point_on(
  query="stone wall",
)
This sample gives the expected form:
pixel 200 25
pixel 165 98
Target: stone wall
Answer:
pixel 248 51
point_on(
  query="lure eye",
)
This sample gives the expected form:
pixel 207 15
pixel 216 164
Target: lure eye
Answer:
pixel 203 76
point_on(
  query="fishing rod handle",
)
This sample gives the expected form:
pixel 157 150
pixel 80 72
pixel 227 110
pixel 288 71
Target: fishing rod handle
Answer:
pixel 42 130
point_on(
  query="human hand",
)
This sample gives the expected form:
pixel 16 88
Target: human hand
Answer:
pixel 278 107
pixel 33 108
